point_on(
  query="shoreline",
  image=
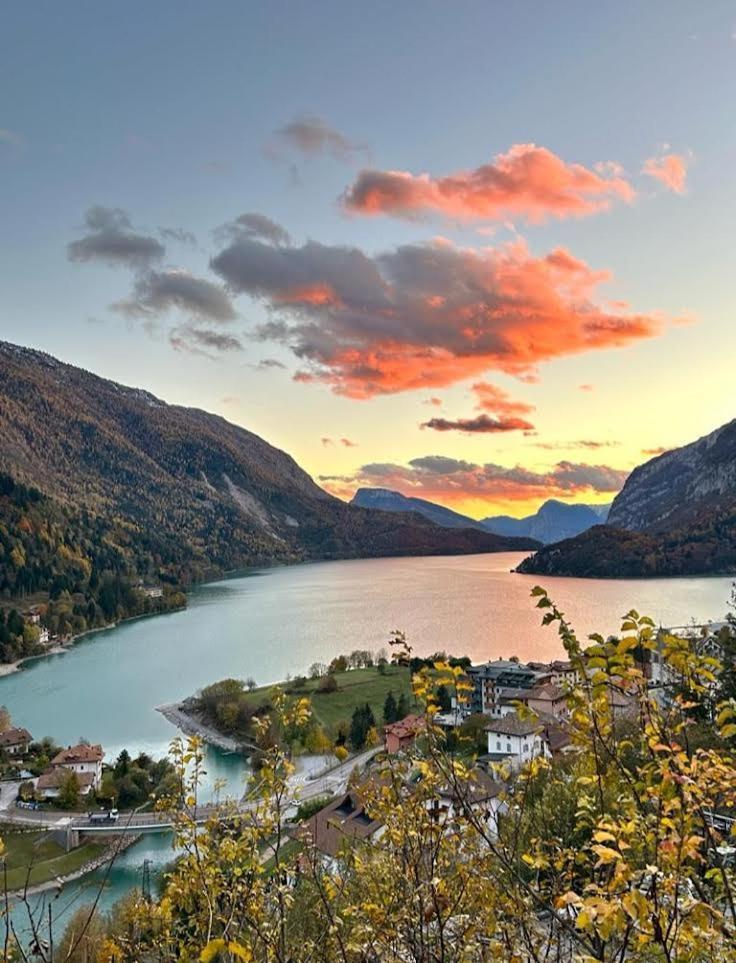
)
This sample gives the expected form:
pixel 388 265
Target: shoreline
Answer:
pixel 108 855
pixel 177 714
pixel 62 648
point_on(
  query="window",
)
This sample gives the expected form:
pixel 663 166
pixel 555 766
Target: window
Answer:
pixel 498 744
pixel 508 747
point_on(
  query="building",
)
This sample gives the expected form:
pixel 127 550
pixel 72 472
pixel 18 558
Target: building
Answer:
pixel 560 672
pixel 548 699
pixel 339 824
pixel 15 741
pixel 490 679
pixel 706 640
pixel 50 783
pixel 402 734
pixel 82 759
pixel 481 795
pixel 515 740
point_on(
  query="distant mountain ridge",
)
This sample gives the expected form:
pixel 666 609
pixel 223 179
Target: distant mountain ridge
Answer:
pixel 390 501
pixel 553 521
pixel 202 495
pixel 676 515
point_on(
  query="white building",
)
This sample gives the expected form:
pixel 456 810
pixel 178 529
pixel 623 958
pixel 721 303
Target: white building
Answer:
pixel 515 740
pixel 82 759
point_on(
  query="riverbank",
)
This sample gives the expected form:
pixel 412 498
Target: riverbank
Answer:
pixel 7 668
pixel 179 714
pixel 61 648
pixel 109 853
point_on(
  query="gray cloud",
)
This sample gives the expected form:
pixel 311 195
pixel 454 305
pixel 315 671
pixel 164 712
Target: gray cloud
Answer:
pixel 177 234
pixel 483 424
pixel 201 340
pixel 252 225
pixel 158 291
pixel 112 240
pixel 313 136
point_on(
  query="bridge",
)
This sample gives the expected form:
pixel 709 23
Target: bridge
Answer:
pixel 73 825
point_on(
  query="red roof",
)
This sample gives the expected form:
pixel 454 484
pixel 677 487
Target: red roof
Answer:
pixel 14 737
pixel 406 727
pixel 77 754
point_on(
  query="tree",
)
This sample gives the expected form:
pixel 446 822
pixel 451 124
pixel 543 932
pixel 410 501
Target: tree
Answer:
pixel 327 684
pixel 361 723
pixel 609 853
pixel 338 664
pixel 402 708
pixel 68 797
pixel 443 698
pixel 390 708
pixel 122 763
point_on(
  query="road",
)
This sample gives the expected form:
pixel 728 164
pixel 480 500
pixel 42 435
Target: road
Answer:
pixel 304 787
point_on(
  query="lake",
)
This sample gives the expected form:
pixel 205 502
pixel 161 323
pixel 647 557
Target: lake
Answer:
pixel 275 622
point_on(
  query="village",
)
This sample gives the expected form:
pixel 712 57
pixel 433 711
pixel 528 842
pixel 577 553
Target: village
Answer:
pixel 513 713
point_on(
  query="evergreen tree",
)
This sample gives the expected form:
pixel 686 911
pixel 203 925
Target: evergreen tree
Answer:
pixel 403 707
pixel 390 708
pixel 443 698
pixel 361 723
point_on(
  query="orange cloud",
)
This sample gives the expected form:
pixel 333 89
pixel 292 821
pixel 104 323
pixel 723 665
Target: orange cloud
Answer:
pixel 498 402
pixel 454 480
pixel 670 170
pixel 425 316
pixel 528 181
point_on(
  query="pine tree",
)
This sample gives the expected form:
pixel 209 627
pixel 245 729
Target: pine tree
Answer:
pixel 403 707
pixel 390 709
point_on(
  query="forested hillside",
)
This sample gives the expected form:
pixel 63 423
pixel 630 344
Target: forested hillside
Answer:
pixel 105 487
pixel 706 546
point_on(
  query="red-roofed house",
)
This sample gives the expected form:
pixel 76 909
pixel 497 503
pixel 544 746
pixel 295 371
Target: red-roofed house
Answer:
pixel 82 759
pixel 15 741
pixel 400 735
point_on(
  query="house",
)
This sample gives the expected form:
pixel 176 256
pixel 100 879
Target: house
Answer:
pixel 515 740
pixel 707 640
pixel 490 679
pixel 82 759
pixel 402 734
pixel 15 741
pixel 50 783
pixel 560 672
pixel 558 740
pixel 337 825
pixel 547 699
pixel 481 795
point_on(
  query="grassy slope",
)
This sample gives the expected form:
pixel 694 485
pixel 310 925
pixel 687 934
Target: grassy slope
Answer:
pixel 354 688
pixel 48 858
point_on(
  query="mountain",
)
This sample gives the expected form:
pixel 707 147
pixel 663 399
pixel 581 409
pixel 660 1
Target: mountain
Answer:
pixel 676 515
pixel 390 501
pixel 552 522
pixel 137 489
pixel 675 488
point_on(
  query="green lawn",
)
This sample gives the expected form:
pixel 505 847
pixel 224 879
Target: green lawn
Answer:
pixel 48 858
pixel 354 688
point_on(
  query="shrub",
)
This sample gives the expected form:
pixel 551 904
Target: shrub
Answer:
pixel 327 684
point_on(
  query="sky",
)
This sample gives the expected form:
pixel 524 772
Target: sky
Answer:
pixel 478 252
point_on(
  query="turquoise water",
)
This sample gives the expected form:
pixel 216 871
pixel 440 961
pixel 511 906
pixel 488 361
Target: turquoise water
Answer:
pixel 276 622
